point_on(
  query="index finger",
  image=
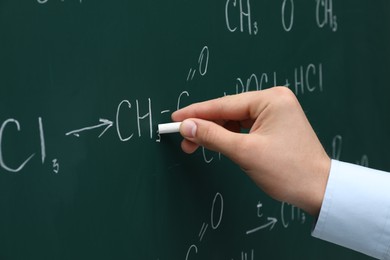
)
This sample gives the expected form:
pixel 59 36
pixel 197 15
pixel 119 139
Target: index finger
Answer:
pixel 240 107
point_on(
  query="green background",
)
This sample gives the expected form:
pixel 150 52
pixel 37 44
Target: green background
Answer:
pixel 70 63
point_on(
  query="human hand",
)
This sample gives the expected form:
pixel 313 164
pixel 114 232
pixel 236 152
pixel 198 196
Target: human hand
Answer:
pixel 281 153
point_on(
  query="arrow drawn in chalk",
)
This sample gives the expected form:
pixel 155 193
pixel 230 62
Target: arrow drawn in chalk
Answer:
pixel 104 123
pixel 271 224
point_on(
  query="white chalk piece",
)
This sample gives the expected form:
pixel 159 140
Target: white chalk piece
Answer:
pixel 169 128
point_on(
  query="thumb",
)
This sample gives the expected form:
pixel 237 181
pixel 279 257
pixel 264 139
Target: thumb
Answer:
pixel 212 136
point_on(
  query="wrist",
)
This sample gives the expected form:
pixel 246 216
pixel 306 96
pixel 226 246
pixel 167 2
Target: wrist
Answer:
pixel 320 180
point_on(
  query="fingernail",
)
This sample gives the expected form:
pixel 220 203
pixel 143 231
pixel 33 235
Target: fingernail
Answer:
pixel 188 128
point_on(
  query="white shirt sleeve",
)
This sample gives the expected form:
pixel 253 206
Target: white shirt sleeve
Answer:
pixel 355 212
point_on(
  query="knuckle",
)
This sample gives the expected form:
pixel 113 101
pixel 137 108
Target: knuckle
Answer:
pixel 285 98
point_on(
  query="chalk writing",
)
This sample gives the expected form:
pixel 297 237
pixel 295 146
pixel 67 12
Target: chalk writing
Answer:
pixel 259 206
pixel 178 106
pixel 287 213
pixel 11 121
pixel 145 116
pixel 291 213
pixel 205 158
pixel 288 23
pixel 209 158
pixel 239 13
pixel 204 60
pixel 215 220
pixel 269 224
pixel 203 63
pixel 337 146
pixel 140 114
pixel 306 79
pixel 218 198
pixel 56 166
pixel 192 248
pixel 133 117
pixel 126 102
pixel 363 161
pixel 203 231
pixel 103 123
pixel 6 166
pixel 46 1
pixel 42 138
pixel 239 16
pixel 324 14
pixel 245 255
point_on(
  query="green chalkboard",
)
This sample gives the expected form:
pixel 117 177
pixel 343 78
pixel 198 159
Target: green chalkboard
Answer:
pixel 83 85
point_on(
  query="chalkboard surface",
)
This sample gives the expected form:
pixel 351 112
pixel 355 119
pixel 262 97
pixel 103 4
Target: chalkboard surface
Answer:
pixel 83 85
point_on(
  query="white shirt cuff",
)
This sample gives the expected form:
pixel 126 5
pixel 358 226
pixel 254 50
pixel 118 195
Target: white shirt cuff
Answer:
pixel 355 211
